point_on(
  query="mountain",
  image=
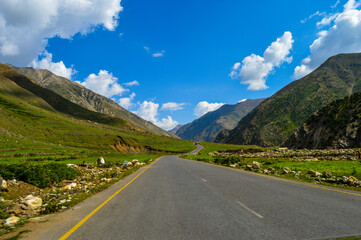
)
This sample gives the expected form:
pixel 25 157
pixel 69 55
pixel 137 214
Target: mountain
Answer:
pixel 273 121
pixel 337 125
pixel 33 117
pixel 206 128
pixel 86 98
pixel 174 130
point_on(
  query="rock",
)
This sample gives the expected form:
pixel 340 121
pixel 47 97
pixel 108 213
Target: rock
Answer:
pixel 72 166
pixel 255 165
pixel 32 202
pixel 100 161
pixel 344 179
pixel 327 174
pixel 316 174
pixel 135 161
pixel 130 164
pixel 249 167
pixel 272 170
pixel 70 186
pixel 233 165
pixel 286 170
pixel 266 172
pixel 3 183
pixel 11 221
pixel 62 201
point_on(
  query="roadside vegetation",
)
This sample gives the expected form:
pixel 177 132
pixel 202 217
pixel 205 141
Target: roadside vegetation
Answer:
pixel 340 168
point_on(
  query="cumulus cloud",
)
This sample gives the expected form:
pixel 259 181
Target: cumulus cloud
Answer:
pixel 254 69
pixel 149 111
pixel 25 25
pixel 131 84
pixel 172 106
pixel 127 102
pixel 58 68
pixel 343 36
pixel 167 123
pixel 204 107
pixel 104 83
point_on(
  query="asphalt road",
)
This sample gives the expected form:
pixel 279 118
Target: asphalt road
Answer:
pixel 183 199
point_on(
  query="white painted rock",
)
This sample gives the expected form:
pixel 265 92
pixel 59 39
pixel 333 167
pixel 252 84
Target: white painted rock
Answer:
pixel 12 221
pixel 101 160
pixel 3 183
pixel 33 202
pixel 70 186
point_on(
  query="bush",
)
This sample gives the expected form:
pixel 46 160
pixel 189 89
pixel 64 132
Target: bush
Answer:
pixel 40 175
pixel 226 160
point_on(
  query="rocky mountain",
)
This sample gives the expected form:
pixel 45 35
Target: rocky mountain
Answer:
pixel 337 125
pixel 174 130
pixel 273 121
pixel 206 128
pixel 86 98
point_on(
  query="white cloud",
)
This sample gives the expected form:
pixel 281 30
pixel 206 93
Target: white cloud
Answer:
pixel 204 107
pixel 172 106
pixel 127 102
pixel 104 83
pixel 158 54
pixel 336 4
pixel 146 49
pixel 131 84
pixel 25 25
pixel 167 123
pixel 58 68
pixel 343 36
pixel 149 111
pixel 318 13
pixel 254 69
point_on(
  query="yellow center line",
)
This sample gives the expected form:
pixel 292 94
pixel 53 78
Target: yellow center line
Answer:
pixel 66 235
pixel 282 179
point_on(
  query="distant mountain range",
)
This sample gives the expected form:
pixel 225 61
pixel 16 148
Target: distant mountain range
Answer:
pixel 337 125
pixel 207 127
pixel 274 120
pixel 86 98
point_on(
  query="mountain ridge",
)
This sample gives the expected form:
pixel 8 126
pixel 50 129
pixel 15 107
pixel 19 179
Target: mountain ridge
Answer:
pixel 273 121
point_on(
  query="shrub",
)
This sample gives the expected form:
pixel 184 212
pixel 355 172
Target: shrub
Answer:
pixel 40 175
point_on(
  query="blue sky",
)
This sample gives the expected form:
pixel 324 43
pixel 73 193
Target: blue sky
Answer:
pixel 181 52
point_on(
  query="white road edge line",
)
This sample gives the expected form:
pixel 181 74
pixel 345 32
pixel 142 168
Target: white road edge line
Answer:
pixel 204 180
pixel 248 209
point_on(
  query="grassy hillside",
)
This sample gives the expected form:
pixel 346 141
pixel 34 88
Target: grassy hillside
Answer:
pixel 37 121
pixel 209 125
pixel 272 122
pixel 336 125
pixel 86 98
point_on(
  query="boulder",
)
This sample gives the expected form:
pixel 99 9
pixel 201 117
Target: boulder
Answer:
pixel 272 170
pixel 327 174
pixel 286 170
pixel 100 160
pixel 3 183
pixel 316 174
pixel 249 167
pixel 11 221
pixel 33 202
pixel 125 164
pixel 255 165
pixel 135 161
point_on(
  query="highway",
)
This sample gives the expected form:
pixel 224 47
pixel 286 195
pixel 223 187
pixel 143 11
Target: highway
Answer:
pixel 181 199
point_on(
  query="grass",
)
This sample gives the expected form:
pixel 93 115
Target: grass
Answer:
pixel 338 168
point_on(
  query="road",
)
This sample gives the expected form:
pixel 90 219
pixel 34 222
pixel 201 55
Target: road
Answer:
pixel 182 199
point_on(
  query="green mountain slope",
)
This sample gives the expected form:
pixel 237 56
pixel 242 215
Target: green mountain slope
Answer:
pixel 206 128
pixel 336 125
pixel 32 117
pixel 86 98
pixel 272 122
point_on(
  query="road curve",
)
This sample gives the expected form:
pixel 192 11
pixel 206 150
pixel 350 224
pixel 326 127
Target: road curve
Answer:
pixel 182 199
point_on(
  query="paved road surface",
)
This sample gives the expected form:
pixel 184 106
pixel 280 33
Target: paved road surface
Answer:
pixel 182 199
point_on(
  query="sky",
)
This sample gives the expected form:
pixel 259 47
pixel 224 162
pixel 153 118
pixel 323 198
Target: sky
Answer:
pixel 170 62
